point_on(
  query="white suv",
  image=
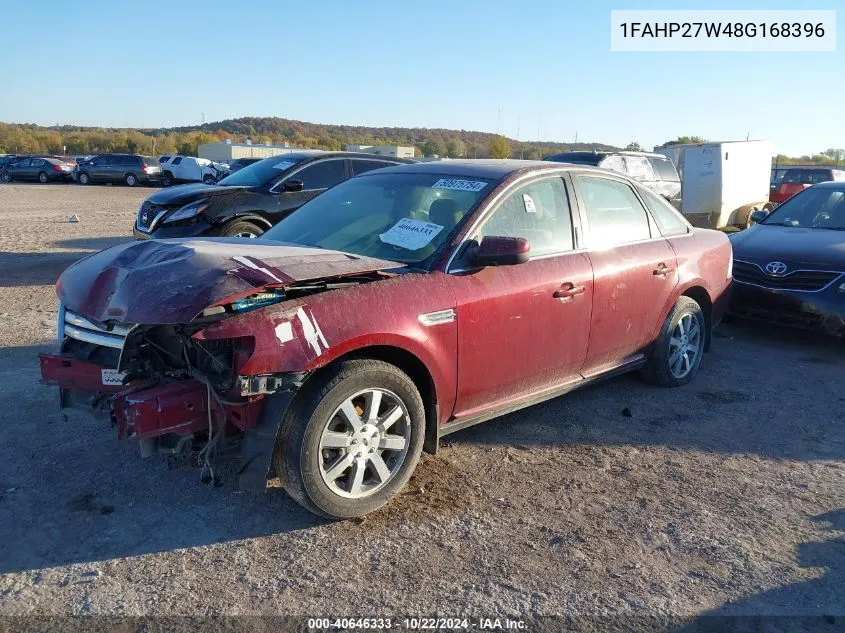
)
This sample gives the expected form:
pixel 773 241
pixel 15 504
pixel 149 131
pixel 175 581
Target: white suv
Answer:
pixel 176 169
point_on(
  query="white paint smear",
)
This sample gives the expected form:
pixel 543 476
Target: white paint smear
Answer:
pixel 459 185
pixel 411 234
pixel 284 332
pixel 312 332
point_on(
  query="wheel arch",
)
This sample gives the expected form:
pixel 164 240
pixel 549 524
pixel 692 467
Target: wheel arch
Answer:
pixel 700 295
pixel 416 370
pixel 248 216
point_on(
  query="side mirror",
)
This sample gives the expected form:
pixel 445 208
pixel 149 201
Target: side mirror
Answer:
pixel 294 185
pixel 501 251
pixel 758 216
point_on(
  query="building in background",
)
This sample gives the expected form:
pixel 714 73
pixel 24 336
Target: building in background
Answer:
pixel 227 151
pixel 382 150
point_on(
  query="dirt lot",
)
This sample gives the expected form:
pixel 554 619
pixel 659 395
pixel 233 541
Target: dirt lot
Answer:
pixel 727 494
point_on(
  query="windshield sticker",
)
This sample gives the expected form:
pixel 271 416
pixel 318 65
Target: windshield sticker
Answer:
pixel 459 185
pixel 411 234
pixel 285 164
pixel 528 201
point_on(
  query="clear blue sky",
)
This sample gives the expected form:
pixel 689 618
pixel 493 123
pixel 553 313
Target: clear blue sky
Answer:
pixel 546 66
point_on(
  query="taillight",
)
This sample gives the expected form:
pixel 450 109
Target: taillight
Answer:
pixel 144 168
pixel 58 168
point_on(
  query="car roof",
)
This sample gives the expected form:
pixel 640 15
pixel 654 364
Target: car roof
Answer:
pixel 481 168
pixel 605 153
pixel 831 184
pixel 318 153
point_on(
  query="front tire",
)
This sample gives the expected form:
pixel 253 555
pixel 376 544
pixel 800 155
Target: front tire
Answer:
pixel 166 179
pixel 131 180
pixel 5 177
pixel 84 178
pixel 351 439
pixel 680 346
pixel 208 179
pixel 243 229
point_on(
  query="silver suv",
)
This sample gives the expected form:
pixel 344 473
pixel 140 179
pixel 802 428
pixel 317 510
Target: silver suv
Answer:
pixel 654 171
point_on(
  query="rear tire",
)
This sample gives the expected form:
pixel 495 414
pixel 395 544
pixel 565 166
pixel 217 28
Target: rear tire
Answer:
pixel 131 180
pixel 43 178
pixel 362 473
pixel 242 228
pixel 680 346
pixel 84 178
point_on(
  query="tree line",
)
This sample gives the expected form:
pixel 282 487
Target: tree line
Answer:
pixel 74 140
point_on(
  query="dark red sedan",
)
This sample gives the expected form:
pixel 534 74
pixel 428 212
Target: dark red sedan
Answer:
pixel 397 307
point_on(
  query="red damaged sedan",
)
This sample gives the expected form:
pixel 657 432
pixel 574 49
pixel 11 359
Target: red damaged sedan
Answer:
pixel 397 307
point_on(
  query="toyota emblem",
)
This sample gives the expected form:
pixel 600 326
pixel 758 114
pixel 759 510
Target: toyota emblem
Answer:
pixel 776 268
pixel 145 217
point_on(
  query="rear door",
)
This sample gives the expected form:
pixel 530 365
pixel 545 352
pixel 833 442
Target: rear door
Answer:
pixel 634 271
pixel 36 166
pixel 523 329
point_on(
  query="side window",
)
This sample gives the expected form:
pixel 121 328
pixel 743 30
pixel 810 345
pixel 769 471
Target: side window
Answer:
pixel 129 161
pixel 614 213
pixel 639 168
pixel 664 169
pixel 613 163
pixel 669 221
pixel 539 212
pixel 24 163
pixel 36 162
pixel 360 166
pixel 321 175
pixel 176 160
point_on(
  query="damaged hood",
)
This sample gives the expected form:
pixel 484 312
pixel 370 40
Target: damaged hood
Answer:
pixel 182 194
pixel 172 281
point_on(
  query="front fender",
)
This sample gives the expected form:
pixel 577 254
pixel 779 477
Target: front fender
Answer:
pixel 306 334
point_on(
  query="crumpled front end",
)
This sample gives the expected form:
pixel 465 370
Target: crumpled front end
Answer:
pixel 132 344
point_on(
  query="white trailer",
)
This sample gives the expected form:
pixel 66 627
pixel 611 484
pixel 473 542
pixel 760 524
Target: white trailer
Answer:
pixel 722 183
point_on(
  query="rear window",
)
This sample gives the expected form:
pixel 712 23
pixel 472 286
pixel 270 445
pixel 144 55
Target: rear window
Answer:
pixel 664 169
pixel 149 160
pixel 669 221
pixel 807 176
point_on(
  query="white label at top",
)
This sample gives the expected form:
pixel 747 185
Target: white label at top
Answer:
pixel 459 185
pixel 284 164
pixel 411 234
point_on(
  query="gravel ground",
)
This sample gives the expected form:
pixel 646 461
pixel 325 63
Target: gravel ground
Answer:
pixel 724 496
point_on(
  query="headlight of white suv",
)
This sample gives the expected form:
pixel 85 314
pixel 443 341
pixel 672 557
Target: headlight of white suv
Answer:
pixel 188 211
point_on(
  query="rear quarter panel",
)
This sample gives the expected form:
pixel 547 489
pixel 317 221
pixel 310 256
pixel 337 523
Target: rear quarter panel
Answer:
pixel 306 334
pixel 703 261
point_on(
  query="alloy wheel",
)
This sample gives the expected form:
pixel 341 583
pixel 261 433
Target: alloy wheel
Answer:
pixel 364 443
pixel 684 346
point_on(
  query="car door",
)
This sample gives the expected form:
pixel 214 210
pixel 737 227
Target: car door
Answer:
pixel 100 168
pixel 634 271
pixel 523 329
pixel 22 169
pixel 315 177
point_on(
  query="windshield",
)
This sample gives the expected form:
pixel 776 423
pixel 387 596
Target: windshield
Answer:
pixel 815 208
pixel 401 217
pixel 259 173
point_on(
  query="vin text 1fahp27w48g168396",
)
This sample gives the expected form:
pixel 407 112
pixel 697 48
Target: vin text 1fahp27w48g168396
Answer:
pixel 397 307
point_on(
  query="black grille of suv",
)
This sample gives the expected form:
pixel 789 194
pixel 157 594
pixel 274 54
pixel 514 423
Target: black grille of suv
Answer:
pixel 147 213
pixel 806 280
